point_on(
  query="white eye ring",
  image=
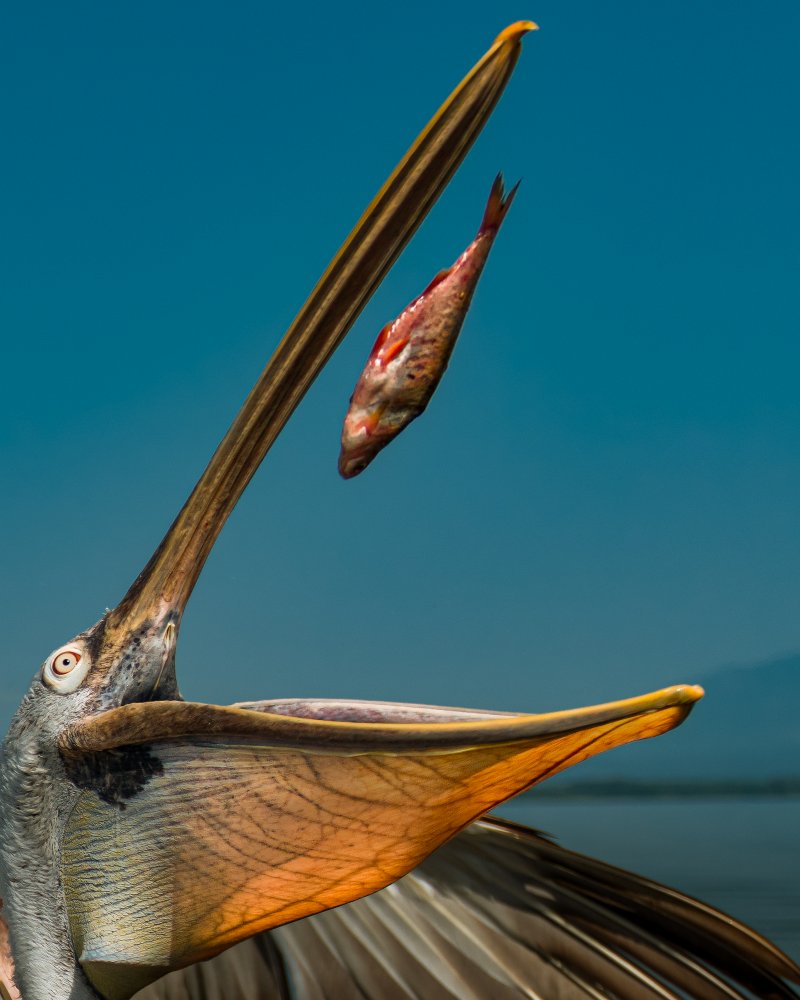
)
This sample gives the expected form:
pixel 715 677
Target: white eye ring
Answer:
pixel 65 669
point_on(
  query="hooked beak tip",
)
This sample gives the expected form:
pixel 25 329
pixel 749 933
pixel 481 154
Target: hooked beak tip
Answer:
pixel 686 695
pixel 514 32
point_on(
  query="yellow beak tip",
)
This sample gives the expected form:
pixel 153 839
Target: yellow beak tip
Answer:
pixel 686 694
pixel 515 31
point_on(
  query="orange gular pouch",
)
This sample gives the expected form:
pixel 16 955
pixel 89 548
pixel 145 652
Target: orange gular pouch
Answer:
pixel 247 817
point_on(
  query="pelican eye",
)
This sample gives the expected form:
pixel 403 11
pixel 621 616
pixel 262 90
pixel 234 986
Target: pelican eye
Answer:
pixel 64 663
pixel 65 669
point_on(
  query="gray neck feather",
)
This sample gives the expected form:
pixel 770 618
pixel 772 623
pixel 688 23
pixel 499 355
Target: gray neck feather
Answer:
pixel 35 802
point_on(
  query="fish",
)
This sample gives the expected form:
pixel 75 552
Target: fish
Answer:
pixel 411 353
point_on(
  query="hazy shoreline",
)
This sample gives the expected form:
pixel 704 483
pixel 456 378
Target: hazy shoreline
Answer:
pixel 697 788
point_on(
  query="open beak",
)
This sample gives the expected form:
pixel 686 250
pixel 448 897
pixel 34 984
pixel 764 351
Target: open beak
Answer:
pixel 231 821
pixel 191 827
pixel 164 586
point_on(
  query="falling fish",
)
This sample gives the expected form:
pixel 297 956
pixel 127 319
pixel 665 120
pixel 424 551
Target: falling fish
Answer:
pixel 411 354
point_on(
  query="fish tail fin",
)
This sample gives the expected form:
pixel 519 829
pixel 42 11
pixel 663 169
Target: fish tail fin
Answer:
pixel 497 206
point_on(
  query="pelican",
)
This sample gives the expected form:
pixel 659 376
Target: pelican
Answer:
pixel 162 848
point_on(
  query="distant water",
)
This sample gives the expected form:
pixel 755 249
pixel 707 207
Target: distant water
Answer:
pixel 741 855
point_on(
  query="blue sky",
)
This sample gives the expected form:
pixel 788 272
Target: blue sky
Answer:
pixel 601 499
